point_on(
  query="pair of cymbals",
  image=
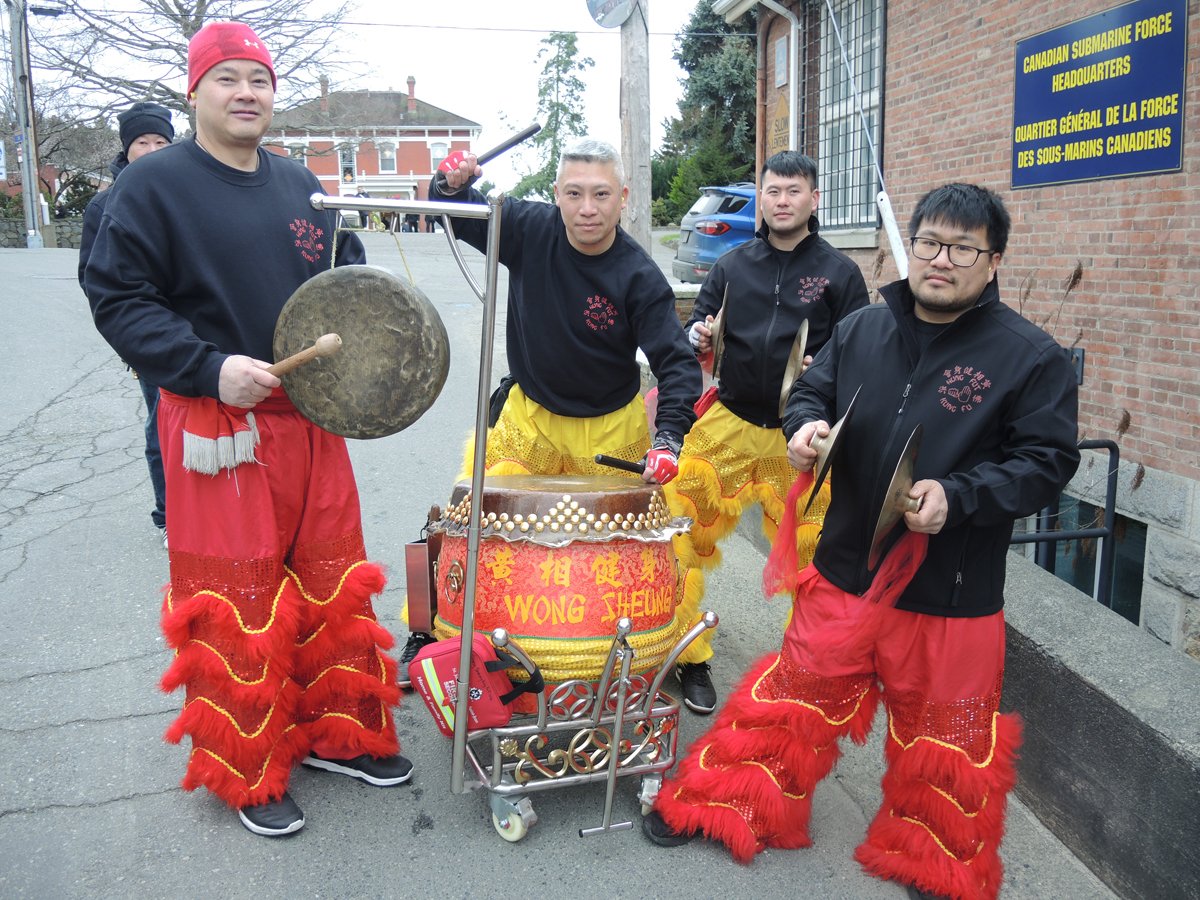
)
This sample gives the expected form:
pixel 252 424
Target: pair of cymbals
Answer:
pixel 896 502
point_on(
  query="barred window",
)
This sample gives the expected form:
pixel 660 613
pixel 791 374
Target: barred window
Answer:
pixel 846 169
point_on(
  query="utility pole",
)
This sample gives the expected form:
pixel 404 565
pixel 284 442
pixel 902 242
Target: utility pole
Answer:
pixel 635 121
pixel 27 145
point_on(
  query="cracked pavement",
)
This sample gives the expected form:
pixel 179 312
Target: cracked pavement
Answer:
pixel 90 803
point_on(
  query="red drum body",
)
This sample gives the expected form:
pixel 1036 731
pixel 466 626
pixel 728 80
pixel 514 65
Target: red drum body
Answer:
pixel 560 561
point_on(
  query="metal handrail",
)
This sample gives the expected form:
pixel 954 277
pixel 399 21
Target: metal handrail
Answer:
pixel 1050 535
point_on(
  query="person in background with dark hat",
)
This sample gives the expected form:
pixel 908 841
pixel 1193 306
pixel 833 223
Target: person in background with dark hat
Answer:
pixel 144 128
pixel 269 609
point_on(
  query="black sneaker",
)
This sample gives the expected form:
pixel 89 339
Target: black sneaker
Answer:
pixel 382 772
pixel 273 819
pixel 416 641
pixel 698 692
pixel 655 827
pixel 915 893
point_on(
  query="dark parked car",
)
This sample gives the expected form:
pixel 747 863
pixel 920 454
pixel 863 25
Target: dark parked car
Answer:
pixel 721 219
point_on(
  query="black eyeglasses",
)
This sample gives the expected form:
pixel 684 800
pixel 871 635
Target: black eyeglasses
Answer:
pixel 960 254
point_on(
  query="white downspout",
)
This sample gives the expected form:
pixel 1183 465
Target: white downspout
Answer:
pixel 793 66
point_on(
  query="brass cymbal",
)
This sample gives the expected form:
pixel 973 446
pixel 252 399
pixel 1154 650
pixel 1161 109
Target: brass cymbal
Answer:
pixel 794 364
pixel 718 336
pixel 827 448
pixel 897 502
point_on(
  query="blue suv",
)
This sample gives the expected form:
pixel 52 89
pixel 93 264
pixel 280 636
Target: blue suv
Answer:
pixel 720 220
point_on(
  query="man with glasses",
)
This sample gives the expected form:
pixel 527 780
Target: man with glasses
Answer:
pixel 736 454
pixel 996 398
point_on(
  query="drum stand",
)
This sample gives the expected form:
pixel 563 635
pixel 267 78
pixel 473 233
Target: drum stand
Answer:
pixel 596 719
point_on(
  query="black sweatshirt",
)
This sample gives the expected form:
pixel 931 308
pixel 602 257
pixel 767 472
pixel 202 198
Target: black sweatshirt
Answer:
pixel 575 321
pixel 194 260
pixel 998 403
pixel 771 292
pixel 94 213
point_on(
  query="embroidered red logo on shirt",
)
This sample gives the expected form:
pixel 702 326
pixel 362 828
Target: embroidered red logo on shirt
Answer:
pixel 963 389
pixel 812 288
pixel 307 239
pixel 599 313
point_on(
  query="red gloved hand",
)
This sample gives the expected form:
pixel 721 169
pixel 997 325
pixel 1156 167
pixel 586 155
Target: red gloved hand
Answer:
pixel 451 162
pixel 662 464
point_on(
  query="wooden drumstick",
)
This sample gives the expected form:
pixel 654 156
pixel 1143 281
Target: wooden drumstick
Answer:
pixel 326 345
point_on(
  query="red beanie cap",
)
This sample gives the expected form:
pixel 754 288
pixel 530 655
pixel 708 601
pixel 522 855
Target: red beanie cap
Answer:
pixel 219 41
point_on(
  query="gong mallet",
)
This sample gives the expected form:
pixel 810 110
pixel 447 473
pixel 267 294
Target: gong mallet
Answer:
pixel 488 155
pixel 624 465
pixel 326 345
pixel 827 448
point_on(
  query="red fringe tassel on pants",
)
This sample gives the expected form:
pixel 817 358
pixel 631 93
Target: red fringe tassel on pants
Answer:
pixel 269 610
pixel 748 781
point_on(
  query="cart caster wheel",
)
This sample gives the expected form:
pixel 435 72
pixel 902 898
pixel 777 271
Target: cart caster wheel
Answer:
pixel 646 809
pixel 512 830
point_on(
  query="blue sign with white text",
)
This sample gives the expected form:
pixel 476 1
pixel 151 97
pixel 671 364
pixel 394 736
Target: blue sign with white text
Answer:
pixel 1101 97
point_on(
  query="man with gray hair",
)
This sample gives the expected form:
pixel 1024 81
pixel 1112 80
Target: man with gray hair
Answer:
pixel 583 296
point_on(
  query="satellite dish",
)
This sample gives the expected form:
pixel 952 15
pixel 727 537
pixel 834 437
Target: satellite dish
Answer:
pixel 611 13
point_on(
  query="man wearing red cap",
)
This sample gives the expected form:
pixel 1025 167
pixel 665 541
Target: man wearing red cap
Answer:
pixel 269 608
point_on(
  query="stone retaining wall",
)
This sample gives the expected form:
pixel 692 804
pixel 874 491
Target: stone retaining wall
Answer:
pixel 61 233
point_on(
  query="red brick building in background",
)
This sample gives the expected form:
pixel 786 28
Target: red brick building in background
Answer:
pixel 387 143
pixel 937 85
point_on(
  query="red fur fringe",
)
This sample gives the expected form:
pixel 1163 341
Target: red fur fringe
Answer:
pixel 338 687
pixel 908 853
pixel 205 771
pixel 202 667
pixel 218 616
pixel 792 738
pixel 352 739
pixel 353 597
pixel 782 572
pixel 212 729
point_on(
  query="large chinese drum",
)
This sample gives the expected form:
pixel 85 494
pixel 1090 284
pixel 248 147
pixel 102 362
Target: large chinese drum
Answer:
pixel 561 559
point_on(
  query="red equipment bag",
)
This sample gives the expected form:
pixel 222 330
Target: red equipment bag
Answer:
pixel 434 675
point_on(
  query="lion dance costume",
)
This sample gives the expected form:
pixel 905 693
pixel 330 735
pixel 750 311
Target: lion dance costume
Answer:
pixel 269 607
pixel 748 782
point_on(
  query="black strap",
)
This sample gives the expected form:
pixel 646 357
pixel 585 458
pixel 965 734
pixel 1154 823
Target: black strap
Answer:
pixel 535 685
pixel 498 399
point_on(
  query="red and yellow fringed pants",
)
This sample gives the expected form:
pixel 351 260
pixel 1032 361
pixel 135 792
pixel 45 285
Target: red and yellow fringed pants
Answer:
pixel 726 465
pixel 269 610
pixel 748 782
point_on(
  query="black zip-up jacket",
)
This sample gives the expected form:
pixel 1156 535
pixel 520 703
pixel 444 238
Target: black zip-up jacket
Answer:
pixel 771 292
pixel 998 403
pixel 575 322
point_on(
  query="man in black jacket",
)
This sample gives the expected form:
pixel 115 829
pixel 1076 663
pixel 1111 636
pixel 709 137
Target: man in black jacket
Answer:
pixel 143 128
pixel 736 453
pixel 996 398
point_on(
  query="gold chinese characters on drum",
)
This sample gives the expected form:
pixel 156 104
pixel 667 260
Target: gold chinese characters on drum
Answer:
pixel 560 561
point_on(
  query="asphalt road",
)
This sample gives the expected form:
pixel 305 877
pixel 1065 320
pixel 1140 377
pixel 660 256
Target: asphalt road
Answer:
pixel 90 803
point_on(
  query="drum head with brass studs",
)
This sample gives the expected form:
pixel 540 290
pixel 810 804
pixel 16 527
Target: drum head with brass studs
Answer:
pixel 394 359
